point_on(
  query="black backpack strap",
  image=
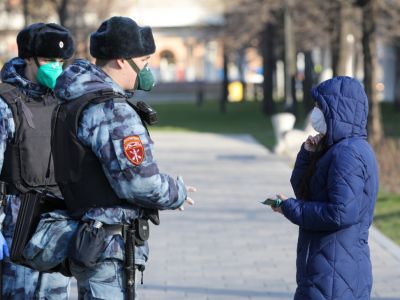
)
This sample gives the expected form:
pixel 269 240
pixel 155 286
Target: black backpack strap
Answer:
pixel 80 103
pixel 15 101
pixel 140 114
pixel 5 88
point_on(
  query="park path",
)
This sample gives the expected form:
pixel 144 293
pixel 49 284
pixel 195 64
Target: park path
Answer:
pixel 228 246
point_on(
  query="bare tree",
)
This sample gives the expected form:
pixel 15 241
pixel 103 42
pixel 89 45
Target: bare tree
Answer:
pixel 254 22
pixel 323 24
pixel 61 7
pixel 25 9
pixel 269 67
pixel 388 26
pixel 369 14
pixel 225 82
pixel 397 81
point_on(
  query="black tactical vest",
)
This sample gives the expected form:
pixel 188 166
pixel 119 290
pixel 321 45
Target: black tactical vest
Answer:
pixel 27 155
pixel 78 171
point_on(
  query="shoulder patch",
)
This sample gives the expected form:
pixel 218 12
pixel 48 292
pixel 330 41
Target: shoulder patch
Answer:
pixel 133 149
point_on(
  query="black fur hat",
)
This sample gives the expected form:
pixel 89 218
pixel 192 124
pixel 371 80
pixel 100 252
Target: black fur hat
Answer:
pixel 121 37
pixel 45 40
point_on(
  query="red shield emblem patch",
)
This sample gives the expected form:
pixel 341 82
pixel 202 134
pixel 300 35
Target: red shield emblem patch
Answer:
pixel 134 150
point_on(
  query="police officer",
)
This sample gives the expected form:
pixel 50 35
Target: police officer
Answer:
pixel 103 156
pixel 26 105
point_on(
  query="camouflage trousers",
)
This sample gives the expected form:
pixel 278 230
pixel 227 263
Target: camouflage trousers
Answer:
pixel 21 283
pixel 103 281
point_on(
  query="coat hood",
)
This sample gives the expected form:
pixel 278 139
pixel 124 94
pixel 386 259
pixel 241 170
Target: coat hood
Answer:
pixel 345 106
pixel 13 72
pixel 81 78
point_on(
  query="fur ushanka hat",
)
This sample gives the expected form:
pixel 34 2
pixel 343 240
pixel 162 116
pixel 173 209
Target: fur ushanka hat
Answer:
pixel 45 40
pixel 121 37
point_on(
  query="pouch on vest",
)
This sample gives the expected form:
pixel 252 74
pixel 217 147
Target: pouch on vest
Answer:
pixel 33 204
pixel 88 244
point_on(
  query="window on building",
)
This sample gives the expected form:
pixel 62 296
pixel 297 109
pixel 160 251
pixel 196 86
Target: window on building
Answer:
pixel 167 66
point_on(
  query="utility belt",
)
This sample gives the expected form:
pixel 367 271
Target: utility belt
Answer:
pixel 90 242
pixel 142 230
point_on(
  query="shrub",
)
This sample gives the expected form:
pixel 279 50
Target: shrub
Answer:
pixel 388 155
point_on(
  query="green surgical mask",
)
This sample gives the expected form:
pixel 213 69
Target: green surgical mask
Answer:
pixel 145 80
pixel 47 74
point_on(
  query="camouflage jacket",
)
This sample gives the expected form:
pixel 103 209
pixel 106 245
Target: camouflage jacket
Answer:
pixel 104 128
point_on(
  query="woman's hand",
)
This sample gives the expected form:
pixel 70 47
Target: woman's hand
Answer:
pixel 279 209
pixel 312 142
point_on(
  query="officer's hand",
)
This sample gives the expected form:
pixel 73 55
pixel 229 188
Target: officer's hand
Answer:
pixel 3 247
pixel 188 199
pixel 279 209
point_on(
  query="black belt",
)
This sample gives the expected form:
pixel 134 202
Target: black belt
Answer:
pixel 114 229
pixel 141 230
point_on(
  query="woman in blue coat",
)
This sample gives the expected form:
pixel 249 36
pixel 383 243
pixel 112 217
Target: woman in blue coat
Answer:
pixel 335 180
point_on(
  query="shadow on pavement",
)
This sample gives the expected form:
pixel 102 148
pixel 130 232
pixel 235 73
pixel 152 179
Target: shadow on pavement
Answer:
pixel 227 292
pixel 385 298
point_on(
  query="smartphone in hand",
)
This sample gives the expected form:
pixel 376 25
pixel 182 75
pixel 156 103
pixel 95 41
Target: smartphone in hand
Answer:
pixel 272 202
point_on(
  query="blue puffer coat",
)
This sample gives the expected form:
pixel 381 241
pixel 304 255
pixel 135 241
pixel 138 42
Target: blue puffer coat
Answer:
pixel 333 260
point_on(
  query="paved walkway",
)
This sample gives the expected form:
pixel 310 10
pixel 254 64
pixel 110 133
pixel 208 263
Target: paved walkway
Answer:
pixel 228 246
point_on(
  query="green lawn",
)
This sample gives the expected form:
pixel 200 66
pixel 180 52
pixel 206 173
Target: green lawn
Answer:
pixel 247 118
pixel 387 215
pixel 391 120
pixel 239 118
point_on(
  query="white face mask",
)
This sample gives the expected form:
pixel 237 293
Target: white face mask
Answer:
pixel 318 120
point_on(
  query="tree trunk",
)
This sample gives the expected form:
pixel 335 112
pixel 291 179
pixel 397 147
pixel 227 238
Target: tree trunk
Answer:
pixel 200 93
pixel 62 11
pixel 241 63
pixel 294 96
pixel 225 82
pixel 269 65
pixel 335 51
pixel 308 82
pixel 290 58
pixel 397 79
pixel 340 28
pixel 26 12
pixel 375 130
pixel 345 30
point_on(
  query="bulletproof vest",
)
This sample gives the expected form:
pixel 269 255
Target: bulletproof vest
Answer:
pixel 27 155
pixel 78 171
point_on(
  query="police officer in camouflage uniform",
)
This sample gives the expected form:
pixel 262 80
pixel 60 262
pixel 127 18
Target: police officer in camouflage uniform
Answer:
pixel 26 104
pixel 103 154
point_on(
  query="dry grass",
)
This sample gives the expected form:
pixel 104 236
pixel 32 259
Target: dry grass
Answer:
pixel 388 155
